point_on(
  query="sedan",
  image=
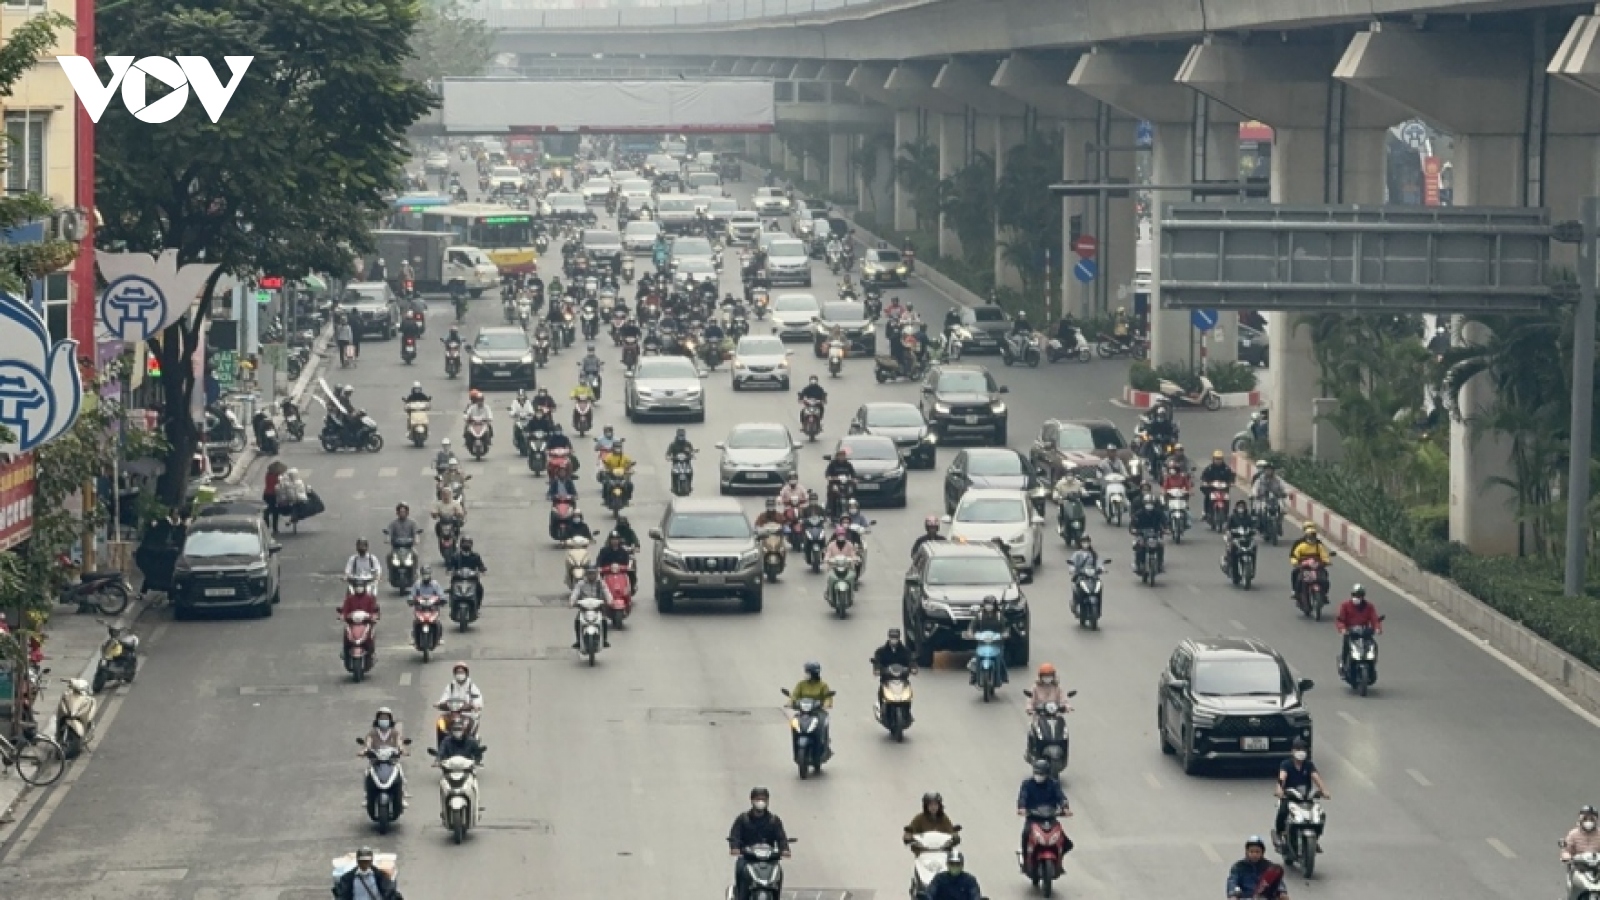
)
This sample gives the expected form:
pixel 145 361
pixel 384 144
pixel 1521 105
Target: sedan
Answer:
pixel 985 467
pixel 903 424
pixel 883 267
pixel 987 325
pixel 880 472
pixel 761 361
pixel 771 201
pixel 1254 348
pixel 694 270
pixel 437 164
pixel 665 386
pixel 757 456
pixel 595 190
pixel 852 321
pixel 986 515
pixel 792 315
pixel 501 357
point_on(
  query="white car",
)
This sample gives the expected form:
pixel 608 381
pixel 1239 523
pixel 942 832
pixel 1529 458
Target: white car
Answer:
pixel 595 190
pixel 640 236
pixel 760 360
pixel 696 270
pixel 985 514
pixel 771 201
pixel 436 164
pixel 665 386
pixel 792 315
pixel 505 178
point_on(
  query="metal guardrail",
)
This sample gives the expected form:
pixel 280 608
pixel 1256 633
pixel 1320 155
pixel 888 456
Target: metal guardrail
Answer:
pixel 645 17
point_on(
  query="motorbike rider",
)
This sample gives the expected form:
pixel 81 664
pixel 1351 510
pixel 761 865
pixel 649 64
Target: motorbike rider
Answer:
pixel 386 733
pixel 427 587
pixel 365 882
pixel 1120 325
pixel 855 520
pixel 445 458
pixel 1310 545
pixel 448 508
pixel 1180 456
pixel 590 587
pixel 1085 558
pixel 590 364
pixel 522 409
pixel 402 532
pixel 1239 517
pixel 544 411
pixel 617 553
pixel 680 444
pixel 478 411
pixel 1584 837
pixel 812 687
pixel 931 817
pixel 1296 772
pixel 894 652
pixel 1020 326
pixel 1266 485
pixel 757 826
pixel 792 495
pixel 417 395
pixel 623 529
pixel 1148 517
pixel 452 338
pixel 1159 424
pixel 1217 471
pixel 363 564
pixel 843 545
pixel 1040 791
pixel 1067 331
pixel 361 600
pixel 930 532
pixel 840 466
pixel 1355 612
pixel 1255 875
pixel 952 320
pixel 468 559
pixel 605 441
pixel 410 327
pixel 462 687
pixel 457 742
pixel 988 618
pixel 814 391
pixel 628 329
pixel 770 516
pixel 1177 479
pixel 1047 689
pixel 954 883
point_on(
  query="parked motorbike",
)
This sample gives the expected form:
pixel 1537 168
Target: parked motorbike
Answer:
pixel 806 717
pixel 1149 556
pixel 106 592
pixel 1177 513
pixel 1254 434
pixel 1207 397
pixel 463 597
pixel 933 854
pixel 417 422
pixel 385 800
pixel 359 644
pixel 426 632
pixel 988 663
pixel 892 708
pixel 477 438
pixel 266 433
pixel 774 552
pixel 222 427
pixel 458 793
pixel 1046 844
pixel 682 473
pixel 1088 594
pixel 1048 738
pixel 1301 841
pixel 841 591
pixel 1020 348
pixel 292 422
pixel 119 658
pixel 75 716
pixel 1360 669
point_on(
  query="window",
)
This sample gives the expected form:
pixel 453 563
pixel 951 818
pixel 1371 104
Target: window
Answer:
pixel 25 150
pixel 25 4
pixel 57 291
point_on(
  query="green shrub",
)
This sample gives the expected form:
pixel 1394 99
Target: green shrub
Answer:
pixel 1181 375
pixel 1529 593
pixel 1232 378
pixel 1437 556
pixel 1356 497
pixel 1143 378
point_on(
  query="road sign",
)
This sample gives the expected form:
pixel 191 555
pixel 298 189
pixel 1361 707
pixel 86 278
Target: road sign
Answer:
pixel 1415 134
pixel 1144 134
pixel 1085 246
pixel 270 282
pixel 1085 270
pixel 263 297
pixel 1203 319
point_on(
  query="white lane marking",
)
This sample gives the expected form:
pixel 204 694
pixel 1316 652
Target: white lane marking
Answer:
pixel 1349 718
pixel 1211 853
pixel 344 473
pixel 1238 625
pixel 1151 779
pixel 1501 848
pixel 1527 675
pixel 388 472
pixel 405 679
pixel 359 495
pixel 1418 778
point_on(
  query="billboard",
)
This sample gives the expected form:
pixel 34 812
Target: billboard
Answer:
pixel 486 105
pixel 16 500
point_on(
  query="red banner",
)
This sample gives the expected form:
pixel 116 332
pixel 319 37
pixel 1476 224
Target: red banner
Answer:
pixel 16 501
pixel 1431 167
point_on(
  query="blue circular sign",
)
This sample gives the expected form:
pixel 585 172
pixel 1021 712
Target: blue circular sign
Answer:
pixel 1085 270
pixel 133 308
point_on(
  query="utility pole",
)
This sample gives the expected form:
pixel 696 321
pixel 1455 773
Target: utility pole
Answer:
pixel 1577 491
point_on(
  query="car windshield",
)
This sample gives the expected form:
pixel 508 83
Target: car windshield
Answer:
pixel 366 297
pixel 1255 677
pixel 967 570
pixel 696 265
pixel 760 346
pixel 768 192
pixel 663 367
pixel 765 438
pixel 677 204
pixel 643 229
pixel 501 340
pixel 701 178
pixel 691 247
pixel 871 449
pixel 601 239
pixel 844 312
pixel 712 526
pixel 994 464
pixel 988 314
pixel 964 383
pixel 888 257
pixel 507 172
pixel 635 185
pixel 744 218
pixel 1077 437
pixel 598 184
pixel 787 249
pixel 992 511
pixel 796 303
pixel 567 202
pixel 207 542
pixel 894 416
pixel 722 205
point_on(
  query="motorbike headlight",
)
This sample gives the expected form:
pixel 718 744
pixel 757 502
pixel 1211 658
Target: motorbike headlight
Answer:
pixel 997 408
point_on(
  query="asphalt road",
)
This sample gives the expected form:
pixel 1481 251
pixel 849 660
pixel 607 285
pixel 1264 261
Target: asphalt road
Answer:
pixel 230 768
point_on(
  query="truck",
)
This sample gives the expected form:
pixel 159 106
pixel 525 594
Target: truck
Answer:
pixel 438 261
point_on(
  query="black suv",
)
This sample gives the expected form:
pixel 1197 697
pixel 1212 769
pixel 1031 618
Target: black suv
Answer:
pixel 961 400
pixel 373 309
pixel 943 588
pixel 603 246
pixel 228 562
pixel 1229 698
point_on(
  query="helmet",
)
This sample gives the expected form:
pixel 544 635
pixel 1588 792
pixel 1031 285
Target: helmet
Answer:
pixel 813 379
pixel 416 385
pixel 1047 669
pixel 853 506
pixel 591 348
pixel 364 854
pixel 361 544
pixel 811 496
pixel 445 443
pixel 991 600
pixel 841 531
pixel 932 797
pixel 683 434
pixel 955 860
pixel 1255 841
pixel 475 395
pixel 466 544
pixel 1309 528
pixel 1587 811
pixel 384 711
pixel 1299 744
pixel 425 573
pixel 760 792
pixel 894 635
pixel 1261 464
pixel 931 523
pixel 461 668
pixel 1216 455
pixel 1041 767
pixel 522 393
pixel 1358 590
pixel 814 669
pixel 401 508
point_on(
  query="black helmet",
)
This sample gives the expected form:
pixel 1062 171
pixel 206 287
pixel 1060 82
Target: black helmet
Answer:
pixel 894 638
pixel 1299 744
pixel 759 792
pixel 932 797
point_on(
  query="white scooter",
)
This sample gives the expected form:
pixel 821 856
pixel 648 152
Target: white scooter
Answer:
pixel 1207 397
pixel 458 794
pixel 417 421
pixel 1114 499
pixel 933 851
pixel 1583 876
pixel 577 559
pixel 591 627
pixel 75 717
pixel 836 351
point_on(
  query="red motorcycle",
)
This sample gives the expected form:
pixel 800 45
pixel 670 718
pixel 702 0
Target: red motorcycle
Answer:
pixel 1216 504
pixel 426 631
pixel 448 530
pixel 561 519
pixel 1309 595
pixel 359 643
pixel 1044 849
pixel 811 417
pixel 616 580
pixel 408 350
pixel 559 468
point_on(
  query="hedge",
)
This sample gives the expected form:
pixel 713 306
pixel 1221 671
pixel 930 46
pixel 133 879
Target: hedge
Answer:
pixel 1527 591
pixel 1226 378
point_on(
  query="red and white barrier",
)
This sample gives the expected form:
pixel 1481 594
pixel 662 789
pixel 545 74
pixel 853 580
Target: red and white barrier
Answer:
pixel 1147 399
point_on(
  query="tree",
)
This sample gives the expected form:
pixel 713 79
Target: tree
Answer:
pixel 967 200
pixel 916 168
pixel 289 181
pixel 22 263
pixel 865 162
pixel 449 43
pixel 1029 214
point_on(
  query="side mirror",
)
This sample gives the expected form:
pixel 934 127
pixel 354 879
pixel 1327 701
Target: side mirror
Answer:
pixel 1027 693
pixel 945 519
pixel 1038 520
pixel 274 548
pixel 406 742
pixel 432 752
pixel 1177 685
pixel 1072 693
pixel 794 446
pixel 361 742
pixel 719 445
pixel 1307 684
pixel 1382 618
pixel 783 691
pixel 655 534
pixel 1004 389
pixel 871 522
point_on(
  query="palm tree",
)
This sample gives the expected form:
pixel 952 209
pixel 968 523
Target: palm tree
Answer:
pixel 916 168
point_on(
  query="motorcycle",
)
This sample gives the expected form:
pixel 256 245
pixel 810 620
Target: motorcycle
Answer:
pixel 366 436
pixel 452 360
pixel 811 417
pixel 1242 555
pixel 1583 876
pixel 1020 348
pixel 75 717
pixel 1310 598
pixel 682 474
pixel 619 490
pixel 1206 397
pixel 577 559
pixel 359 644
pixel 630 352
pixel 892 709
pixel 385 802
pixel 763 874
pixel 1046 844
pixel 417 422
pixel 583 416
pixel 841 591
pixel 988 663
pixel 560 467
pixel 222 427
pixel 561 519
pixel 836 352
pixel 760 302
pixel 1114 498
pixel 1136 346
pixel 816 538
pixel 1216 493
pixel 464 588
pixel 220 460
pixel 1254 434
pixel 426 632
pixel 615 577
pixel 1177 513
pixel 1048 738
pixel 119 659
pixel 107 592
pixel 266 433
pixel 1055 351
pixel 408 350
pixel 569 334
pixel 805 725
pixel 402 566
pixel 1088 594
pixel 933 854
pixel 477 438
pixel 627 270
pixel 591 627
pixel 541 350
pixel 1360 668
pixel 841 490
pixel 1301 841
pixel 292 422
pixel 1149 556
pixel 1269 516
pixel 458 793
pixel 1071 521
pixel 590 321
pixel 774 552
pixel 449 532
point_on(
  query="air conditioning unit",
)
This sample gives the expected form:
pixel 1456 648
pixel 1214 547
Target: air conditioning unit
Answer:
pixel 68 225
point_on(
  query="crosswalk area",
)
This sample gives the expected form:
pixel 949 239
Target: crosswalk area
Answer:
pixel 393 472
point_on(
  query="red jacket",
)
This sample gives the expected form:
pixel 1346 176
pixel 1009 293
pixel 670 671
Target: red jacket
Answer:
pixel 1177 480
pixel 362 602
pixel 1351 615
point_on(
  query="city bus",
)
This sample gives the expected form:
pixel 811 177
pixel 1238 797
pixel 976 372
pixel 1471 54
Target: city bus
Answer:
pixel 406 211
pixel 505 234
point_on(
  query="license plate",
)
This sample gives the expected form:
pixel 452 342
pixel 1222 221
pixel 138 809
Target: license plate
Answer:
pixel 1254 743
pixel 972 420
pixel 868 486
pixel 713 579
pixel 499 374
pixel 759 476
pixel 219 592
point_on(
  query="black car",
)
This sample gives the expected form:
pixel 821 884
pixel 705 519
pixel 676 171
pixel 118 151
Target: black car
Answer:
pixel 1254 348
pixel 501 357
pixel 946 583
pixel 964 401
pixel 987 325
pixel 880 472
pixel 1229 699
pixel 985 467
pixel 883 268
pixel 373 309
pixel 1077 447
pixel 228 562
pixel 604 247
pixel 851 319
pixel 903 424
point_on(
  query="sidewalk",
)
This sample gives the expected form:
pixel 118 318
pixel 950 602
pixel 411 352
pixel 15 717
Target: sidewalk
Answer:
pixel 297 393
pixel 71 650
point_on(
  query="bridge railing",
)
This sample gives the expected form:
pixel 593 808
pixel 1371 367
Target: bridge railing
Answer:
pixel 657 16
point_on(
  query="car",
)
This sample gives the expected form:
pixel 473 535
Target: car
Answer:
pixel 665 386
pixel 373 309
pixel 1076 447
pixel 1229 699
pixel 742 227
pixel 596 190
pixel 771 201
pixel 986 467
pixel 987 514
pixel 880 472
pixel 675 212
pixel 964 400
pixel 851 319
pixel 793 314
pixel 568 208
pixel 501 357
pixel 885 268
pixel 807 219
pixel 603 245
pixel 902 423
pixel 436 164
pixel 696 269
pixel 1254 347
pixel 988 327
pixel 702 179
pixel 943 588
pixel 659 164
pixel 505 178
pixel 788 262
pixel 718 209
pixel 757 456
pixel 693 248
pixel 760 360
pixel 706 546
pixel 640 236
pixel 227 562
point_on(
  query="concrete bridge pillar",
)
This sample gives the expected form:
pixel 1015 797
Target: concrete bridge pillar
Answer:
pixel 955 144
pixel 1005 132
pixel 774 151
pixel 811 168
pixel 840 147
pixel 791 160
pixel 877 193
pixel 906 131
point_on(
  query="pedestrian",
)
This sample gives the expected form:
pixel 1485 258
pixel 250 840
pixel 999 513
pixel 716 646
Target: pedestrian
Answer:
pixel 344 335
pixel 355 334
pixel 269 493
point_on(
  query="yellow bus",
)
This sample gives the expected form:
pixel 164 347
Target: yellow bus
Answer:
pixel 505 234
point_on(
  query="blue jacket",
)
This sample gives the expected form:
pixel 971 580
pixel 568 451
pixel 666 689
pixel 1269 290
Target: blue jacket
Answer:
pixel 1033 794
pixel 946 886
pixel 1244 879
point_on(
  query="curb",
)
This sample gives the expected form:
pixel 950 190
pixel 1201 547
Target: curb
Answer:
pixel 297 392
pixel 1565 673
pixel 1146 399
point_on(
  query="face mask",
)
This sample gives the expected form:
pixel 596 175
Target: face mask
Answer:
pixel 759 806
pixel 1039 778
pixel 461 679
pixel 955 870
pixel 385 724
pixel 1588 824
pixel 1361 601
pixel 1300 756
pixel 1048 679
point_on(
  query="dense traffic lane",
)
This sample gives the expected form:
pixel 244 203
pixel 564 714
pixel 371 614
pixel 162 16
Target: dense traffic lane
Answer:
pixel 650 754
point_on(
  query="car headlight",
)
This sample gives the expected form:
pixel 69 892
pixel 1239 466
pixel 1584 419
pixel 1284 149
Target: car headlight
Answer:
pixel 997 408
pixel 930 438
pixel 527 359
pixel 942 409
pixel 475 359
pixel 1019 539
pixel 897 472
pixel 783 364
pixel 749 557
pixel 672 558
pixel 1203 719
pixel 900 270
pixel 693 393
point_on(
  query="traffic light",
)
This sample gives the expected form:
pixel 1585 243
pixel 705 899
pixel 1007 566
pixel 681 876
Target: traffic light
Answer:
pixel 152 366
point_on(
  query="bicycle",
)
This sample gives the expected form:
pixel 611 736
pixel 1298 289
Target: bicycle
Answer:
pixel 40 761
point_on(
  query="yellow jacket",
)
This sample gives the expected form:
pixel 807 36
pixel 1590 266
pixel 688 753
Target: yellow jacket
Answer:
pixel 617 461
pixel 1304 549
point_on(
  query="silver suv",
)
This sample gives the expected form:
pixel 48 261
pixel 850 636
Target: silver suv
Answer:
pixel 706 547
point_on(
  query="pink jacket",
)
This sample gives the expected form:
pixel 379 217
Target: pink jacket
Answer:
pixel 1047 693
pixel 1578 842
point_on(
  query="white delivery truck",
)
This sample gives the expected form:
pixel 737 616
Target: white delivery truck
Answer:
pixel 438 261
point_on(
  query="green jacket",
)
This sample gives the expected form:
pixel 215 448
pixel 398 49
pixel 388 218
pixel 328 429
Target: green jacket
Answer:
pixel 816 690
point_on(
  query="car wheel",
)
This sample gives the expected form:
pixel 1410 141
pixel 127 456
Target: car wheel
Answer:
pixel 924 649
pixel 1000 435
pixel 752 601
pixel 1190 759
pixel 737 386
pixel 700 417
pixel 265 612
pixel 1161 733
pixel 664 599
pixel 903 500
pixel 277 595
